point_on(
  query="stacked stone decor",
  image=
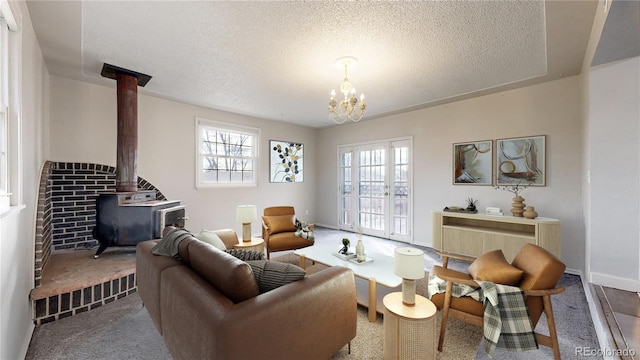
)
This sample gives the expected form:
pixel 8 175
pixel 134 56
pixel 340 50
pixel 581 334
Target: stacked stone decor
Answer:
pixel 66 216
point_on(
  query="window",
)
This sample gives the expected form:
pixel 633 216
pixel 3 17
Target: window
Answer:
pixel 227 154
pixel 10 123
pixel 4 119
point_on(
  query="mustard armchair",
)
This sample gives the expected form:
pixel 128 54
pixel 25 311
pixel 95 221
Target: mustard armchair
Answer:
pixel 278 230
pixel 541 272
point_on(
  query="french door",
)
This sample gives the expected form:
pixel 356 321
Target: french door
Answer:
pixel 374 189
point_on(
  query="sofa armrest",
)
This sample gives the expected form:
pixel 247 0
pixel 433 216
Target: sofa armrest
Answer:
pixel 228 236
pixel 308 319
pixel 149 268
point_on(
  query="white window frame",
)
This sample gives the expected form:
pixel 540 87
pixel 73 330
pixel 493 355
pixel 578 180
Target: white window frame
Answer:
pixel 254 156
pixel 10 124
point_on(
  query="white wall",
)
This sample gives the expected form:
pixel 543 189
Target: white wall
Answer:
pixel 17 228
pixel 614 191
pixel 552 109
pixel 83 129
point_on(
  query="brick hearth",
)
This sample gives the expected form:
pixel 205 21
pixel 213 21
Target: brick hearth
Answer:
pixel 74 282
pixel 68 280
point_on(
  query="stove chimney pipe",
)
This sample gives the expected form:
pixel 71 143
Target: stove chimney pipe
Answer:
pixel 127 146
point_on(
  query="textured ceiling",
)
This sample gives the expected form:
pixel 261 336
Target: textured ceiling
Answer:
pixel 276 60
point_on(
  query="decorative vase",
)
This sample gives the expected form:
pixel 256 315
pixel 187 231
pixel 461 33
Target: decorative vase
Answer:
pixel 360 255
pixel 517 208
pixel 530 213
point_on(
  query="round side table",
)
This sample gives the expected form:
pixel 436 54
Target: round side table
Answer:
pixel 409 331
pixel 256 244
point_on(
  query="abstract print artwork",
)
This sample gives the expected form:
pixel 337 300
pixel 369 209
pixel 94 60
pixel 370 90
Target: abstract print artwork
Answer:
pixel 521 161
pixel 286 161
pixel 472 163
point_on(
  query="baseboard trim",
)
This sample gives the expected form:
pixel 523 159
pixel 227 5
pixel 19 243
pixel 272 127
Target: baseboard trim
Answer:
pixel 575 272
pixel 614 282
pixel 332 227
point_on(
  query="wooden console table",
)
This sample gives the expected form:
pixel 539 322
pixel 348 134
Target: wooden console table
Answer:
pixel 476 234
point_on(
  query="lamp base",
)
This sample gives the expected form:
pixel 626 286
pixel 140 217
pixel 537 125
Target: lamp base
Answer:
pixel 246 232
pixel 408 292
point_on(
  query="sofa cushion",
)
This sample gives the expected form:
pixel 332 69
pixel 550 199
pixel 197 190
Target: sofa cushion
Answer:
pixel 230 275
pixel 212 238
pixel 280 223
pixel 493 267
pixel 272 274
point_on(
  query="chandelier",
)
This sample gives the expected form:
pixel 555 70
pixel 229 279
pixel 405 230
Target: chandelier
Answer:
pixel 345 110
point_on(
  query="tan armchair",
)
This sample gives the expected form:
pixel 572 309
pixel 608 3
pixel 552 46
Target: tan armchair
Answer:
pixel 278 230
pixel 541 273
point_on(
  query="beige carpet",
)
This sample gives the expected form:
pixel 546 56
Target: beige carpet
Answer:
pixel 461 342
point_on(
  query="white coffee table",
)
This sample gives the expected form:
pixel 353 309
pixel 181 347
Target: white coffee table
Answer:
pixel 378 271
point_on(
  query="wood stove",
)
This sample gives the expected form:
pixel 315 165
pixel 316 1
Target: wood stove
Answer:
pixel 127 218
pixel 130 215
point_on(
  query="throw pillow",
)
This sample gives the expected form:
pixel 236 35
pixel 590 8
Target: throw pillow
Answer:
pixel 246 255
pixel 493 267
pixel 280 223
pixel 272 274
pixel 211 238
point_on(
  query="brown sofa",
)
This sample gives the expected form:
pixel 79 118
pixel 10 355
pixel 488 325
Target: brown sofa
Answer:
pixel 207 306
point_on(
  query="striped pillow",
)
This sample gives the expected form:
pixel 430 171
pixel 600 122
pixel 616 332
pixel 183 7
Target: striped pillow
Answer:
pixel 246 255
pixel 272 274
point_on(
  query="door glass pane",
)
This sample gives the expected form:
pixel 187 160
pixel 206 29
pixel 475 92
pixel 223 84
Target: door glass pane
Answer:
pixel 371 171
pixel 401 190
pixel 346 186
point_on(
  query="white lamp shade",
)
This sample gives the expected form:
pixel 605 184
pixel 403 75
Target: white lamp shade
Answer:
pixel 246 213
pixel 408 263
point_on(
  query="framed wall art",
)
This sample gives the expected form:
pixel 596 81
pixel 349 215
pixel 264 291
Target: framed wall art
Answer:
pixel 286 161
pixel 521 161
pixel 473 163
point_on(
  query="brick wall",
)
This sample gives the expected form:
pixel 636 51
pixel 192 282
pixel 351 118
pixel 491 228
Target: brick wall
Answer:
pixel 66 212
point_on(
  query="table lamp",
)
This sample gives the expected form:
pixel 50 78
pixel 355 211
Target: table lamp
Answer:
pixel 245 214
pixel 408 263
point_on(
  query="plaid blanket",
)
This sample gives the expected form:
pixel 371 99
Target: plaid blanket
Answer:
pixel 506 318
pixel 168 246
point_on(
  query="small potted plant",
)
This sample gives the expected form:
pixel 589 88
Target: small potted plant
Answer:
pixel 345 246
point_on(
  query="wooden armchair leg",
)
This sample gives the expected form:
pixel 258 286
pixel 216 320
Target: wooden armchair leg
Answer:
pixel 551 340
pixel 548 310
pixel 445 314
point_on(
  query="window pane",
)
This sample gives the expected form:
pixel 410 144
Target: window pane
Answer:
pixel 229 154
pixel 346 159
